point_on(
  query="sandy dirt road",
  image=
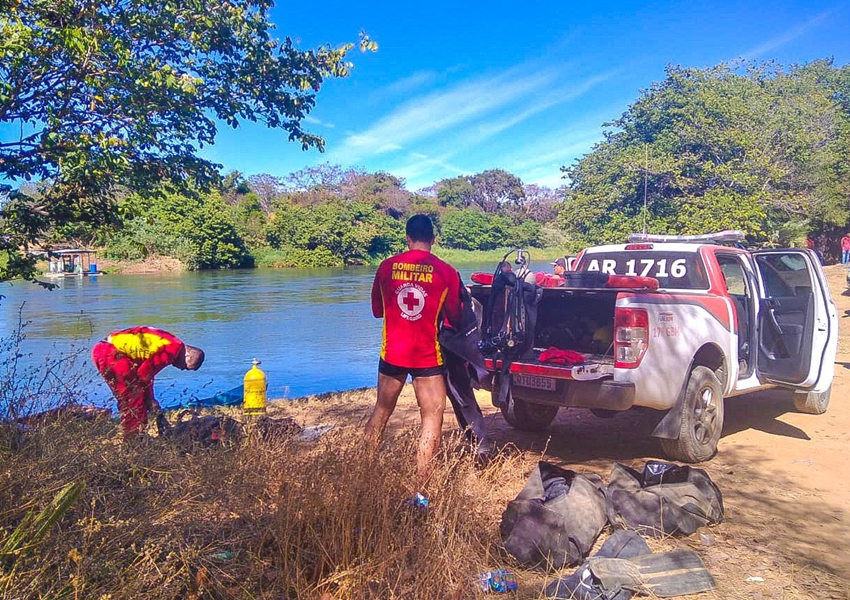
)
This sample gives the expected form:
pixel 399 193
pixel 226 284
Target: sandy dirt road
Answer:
pixel 785 476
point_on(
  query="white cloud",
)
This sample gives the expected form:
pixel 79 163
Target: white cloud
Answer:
pixel 420 170
pixel 556 150
pixel 315 121
pixel 558 96
pixel 540 162
pixel 785 38
pixel 453 122
pixel 408 84
pixel 429 115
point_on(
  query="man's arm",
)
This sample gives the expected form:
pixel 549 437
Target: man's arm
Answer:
pixel 377 297
pixel 452 309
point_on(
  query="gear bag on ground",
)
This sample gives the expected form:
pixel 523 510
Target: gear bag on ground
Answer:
pixel 664 498
pixel 555 519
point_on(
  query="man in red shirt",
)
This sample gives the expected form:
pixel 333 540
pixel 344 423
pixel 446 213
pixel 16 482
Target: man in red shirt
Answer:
pixel 413 291
pixel 129 359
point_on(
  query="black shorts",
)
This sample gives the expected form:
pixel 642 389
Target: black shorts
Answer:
pixel 394 371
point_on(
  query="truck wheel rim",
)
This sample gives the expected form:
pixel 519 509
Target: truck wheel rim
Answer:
pixel 706 416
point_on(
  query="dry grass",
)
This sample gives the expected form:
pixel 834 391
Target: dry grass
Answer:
pixel 286 519
pixel 289 519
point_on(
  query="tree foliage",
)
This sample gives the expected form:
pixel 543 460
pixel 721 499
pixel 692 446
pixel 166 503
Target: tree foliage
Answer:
pixel 497 192
pixel 472 229
pixel 496 188
pixel 194 229
pixel 455 193
pixel 743 146
pixel 110 92
pixel 353 232
pixel 267 189
pixel 382 190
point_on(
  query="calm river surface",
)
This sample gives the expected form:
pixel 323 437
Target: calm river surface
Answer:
pixel 312 328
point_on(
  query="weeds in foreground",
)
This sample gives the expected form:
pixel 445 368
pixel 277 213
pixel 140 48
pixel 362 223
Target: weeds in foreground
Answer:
pixel 288 519
pixel 27 386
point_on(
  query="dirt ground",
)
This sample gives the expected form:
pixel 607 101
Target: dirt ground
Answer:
pixel 784 475
pixel 154 264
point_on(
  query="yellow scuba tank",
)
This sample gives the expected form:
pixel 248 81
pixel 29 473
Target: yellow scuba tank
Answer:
pixel 254 386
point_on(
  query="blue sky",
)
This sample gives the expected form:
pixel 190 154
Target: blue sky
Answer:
pixel 459 88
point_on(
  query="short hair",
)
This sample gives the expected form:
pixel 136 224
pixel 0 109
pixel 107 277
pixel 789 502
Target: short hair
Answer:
pixel 194 357
pixel 419 228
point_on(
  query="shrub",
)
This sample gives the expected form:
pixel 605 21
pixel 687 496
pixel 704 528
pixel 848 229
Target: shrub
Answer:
pixel 197 231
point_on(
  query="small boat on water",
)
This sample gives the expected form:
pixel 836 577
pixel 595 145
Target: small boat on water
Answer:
pixel 71 262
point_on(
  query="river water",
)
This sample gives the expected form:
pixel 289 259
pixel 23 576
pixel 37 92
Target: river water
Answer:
pixel 312 328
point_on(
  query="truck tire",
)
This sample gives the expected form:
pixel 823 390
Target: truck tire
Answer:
pixel 529 416
pixel 702 419
pixel 812 403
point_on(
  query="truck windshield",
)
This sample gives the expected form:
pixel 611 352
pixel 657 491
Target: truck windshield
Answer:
pixel 673 270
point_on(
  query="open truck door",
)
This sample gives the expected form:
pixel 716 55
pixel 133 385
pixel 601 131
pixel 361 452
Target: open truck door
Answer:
pixel 797 325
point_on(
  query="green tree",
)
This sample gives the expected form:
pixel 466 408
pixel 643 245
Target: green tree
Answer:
pixel 455 193
pixel 382 190
pixel 354 232
pixel 195 229
pixel 742 146
pixel 108 92
pixel 495 189
pixel 540 203
pixel 523 234
pixel 248 219
pixel 471 229
pixel 267 189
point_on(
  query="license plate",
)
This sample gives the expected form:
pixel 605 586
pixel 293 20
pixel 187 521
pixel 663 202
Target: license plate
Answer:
pixel 533 381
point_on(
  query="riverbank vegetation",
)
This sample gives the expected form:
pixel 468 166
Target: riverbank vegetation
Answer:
pixel 107 100
pixel 343 217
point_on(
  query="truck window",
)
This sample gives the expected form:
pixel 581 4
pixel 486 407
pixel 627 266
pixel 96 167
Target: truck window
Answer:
pixel 783 275
pixel 733 275
pixel 673 270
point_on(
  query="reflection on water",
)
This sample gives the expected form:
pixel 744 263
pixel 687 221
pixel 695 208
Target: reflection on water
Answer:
pixel 312 328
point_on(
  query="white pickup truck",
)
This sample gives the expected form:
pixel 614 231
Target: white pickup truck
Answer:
pixel 670 323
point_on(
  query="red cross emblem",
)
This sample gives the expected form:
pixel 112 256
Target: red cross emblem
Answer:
pixel 411 301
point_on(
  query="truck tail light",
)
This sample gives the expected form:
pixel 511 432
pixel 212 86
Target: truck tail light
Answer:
pixel 631 336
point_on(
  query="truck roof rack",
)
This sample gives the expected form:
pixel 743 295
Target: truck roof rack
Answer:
pixel 729 236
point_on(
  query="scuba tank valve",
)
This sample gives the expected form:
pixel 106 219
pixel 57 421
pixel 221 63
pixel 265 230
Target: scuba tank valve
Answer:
pixel 255 387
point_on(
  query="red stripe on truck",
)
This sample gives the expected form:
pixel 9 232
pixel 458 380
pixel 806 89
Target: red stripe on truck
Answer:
pixel 532 369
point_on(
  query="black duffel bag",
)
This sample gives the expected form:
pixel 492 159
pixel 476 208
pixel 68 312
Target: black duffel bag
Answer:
pixel 206 430
pixel 555 519
pixel 665 498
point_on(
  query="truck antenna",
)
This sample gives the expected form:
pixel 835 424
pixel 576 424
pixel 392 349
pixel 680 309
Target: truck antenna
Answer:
pixel 645 175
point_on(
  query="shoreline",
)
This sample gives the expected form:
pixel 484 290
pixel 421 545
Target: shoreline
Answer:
pixel 167 264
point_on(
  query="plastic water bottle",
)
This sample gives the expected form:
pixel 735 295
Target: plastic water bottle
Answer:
pixel 498 581
pixel 419 501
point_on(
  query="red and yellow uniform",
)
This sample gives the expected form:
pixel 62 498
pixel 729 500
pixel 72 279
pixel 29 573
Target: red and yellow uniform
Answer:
pixel 411 291
pixel 128 360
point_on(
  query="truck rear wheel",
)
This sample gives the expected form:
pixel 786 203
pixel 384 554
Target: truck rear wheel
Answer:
pixel 812 403
pixel 702 419
pixel 529 416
